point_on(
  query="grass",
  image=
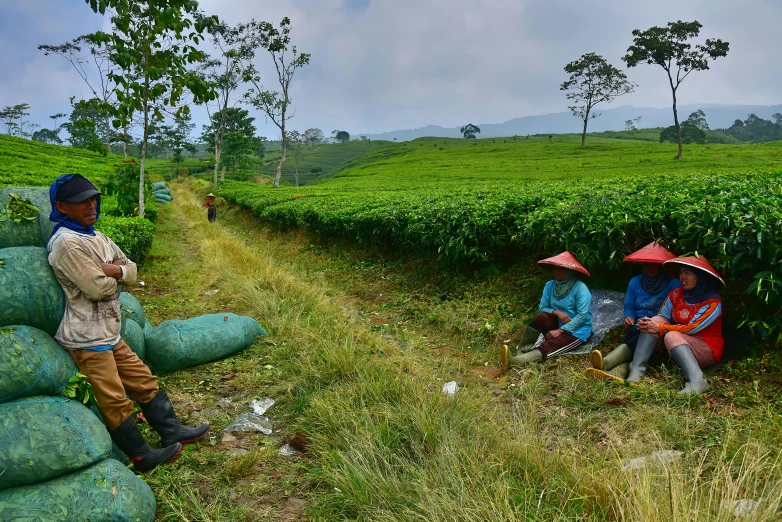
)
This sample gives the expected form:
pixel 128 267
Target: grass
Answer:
pixel 356 358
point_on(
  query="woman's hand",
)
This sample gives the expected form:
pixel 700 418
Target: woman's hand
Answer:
pixel 562 316
pixel 629 321
pixel 553 333
pixel 647 325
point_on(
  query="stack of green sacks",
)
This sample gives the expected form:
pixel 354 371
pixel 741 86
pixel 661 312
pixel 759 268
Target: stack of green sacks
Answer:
pixel 55 454
pixel 161 192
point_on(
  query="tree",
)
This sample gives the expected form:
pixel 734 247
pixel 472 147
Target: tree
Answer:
pixel 698 119
pixel 93 64
pixel 176 137
pixel 237 46
pixel 593 80
pixel 13 118
pixel 342 136
pixel 629 126
pixel 777 118
pixel 470 131
pixel 297 141
pixel 690 133
pixel 669 47
pixel 86 125
pixel 239 140
pixel 273 103
pixel 152 43
pixel 314 136
pixel 47 136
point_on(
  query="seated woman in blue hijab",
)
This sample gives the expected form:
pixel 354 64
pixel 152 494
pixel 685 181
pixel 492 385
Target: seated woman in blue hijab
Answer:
pixel 646 294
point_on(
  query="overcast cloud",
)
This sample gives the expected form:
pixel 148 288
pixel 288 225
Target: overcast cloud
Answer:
pixel 380 65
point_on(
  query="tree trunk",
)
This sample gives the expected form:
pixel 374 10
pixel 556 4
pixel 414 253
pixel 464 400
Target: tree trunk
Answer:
pixel 678 127
pixel 584 132
pixel 222 175
pixel 218 153
pixel 108 135
pixel 278 174
pixel 143 158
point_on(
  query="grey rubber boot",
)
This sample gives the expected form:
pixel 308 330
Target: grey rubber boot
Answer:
pixel 643 352
pixel 620 354
pixel 682 355
pixel 621 370
pixel 525 359
pixel 527 341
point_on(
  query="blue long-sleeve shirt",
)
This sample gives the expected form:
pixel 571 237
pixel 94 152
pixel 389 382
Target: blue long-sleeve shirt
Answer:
pixel 639 303
pixel 575 304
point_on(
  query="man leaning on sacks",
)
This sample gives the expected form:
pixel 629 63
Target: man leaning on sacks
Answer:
pixel 89 267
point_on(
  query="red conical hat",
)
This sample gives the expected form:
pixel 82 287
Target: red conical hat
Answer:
pixel 672 266
pixel 651 253
pixel 565 260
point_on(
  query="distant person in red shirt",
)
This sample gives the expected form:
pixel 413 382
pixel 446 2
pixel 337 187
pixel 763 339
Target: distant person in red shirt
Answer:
pixel 211 210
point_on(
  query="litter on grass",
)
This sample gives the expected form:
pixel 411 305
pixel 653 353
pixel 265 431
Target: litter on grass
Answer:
pixel 255 420
pixel 656 459
pixel 742 508
pixel 450 388
pixel 287 451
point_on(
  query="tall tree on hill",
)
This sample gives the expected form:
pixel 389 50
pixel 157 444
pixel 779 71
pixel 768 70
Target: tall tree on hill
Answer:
pixel 698 119
pixel 239 140
pixel 777 118
pixel 13 118
pixel 670 48
pixel 342 136
pixel 470 131
pixel 47 136
pixel 297 142
pixel 593 80
pixel 315 135
pixel 237 46
pixel 273 103
pixel 93 64
pixel 152 44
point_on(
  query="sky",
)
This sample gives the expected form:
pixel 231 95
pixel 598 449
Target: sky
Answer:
pixel 382 65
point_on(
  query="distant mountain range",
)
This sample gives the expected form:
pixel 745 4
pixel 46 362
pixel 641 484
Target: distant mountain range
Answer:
pixel 718 117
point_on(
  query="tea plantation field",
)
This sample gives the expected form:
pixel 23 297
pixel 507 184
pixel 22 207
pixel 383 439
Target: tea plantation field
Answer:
pixel 471 201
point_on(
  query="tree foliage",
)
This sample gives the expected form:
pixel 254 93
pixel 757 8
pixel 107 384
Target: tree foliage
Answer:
pixel 670 48
pixel 469 131
pixel 592 81
pixel 239 140
pixel 287 59
pixel 152 44
pixel 47 136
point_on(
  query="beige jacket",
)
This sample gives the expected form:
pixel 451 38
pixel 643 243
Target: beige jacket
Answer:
pixel 92 312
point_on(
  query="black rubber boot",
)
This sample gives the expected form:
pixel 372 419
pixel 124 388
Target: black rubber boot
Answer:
pixel 643 352
pixel 145 458
pixel 159 413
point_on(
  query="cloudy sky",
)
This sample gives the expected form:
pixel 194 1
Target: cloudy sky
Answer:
pixel 380 65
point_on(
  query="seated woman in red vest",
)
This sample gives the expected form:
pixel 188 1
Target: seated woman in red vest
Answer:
pixel 689 322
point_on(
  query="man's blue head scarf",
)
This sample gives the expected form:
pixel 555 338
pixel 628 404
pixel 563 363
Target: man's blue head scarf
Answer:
pixel 61 219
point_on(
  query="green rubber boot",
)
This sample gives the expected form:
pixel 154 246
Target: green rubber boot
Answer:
pixel 525 359
pixel 643 352
pixel 528 338
pixel 621 370
pixel 619 355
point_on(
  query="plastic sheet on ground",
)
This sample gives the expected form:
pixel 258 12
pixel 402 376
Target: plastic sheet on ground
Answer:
pixel 32 363
pixel 656 459
pixel 106 491
pixel 743 508
pixel 255 420
pixel 607 312
pixel 29 292
pixel 287 451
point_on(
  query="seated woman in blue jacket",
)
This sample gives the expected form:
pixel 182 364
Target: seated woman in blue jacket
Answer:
pixel 564 319
pixel 646 294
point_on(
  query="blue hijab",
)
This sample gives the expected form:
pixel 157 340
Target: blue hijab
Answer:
pixel 61 219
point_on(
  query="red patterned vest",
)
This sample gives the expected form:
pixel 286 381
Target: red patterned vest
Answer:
pixel 683 314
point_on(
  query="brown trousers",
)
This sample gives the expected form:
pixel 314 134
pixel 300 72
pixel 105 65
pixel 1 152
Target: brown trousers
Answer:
pixel 544 322
pixel 116 375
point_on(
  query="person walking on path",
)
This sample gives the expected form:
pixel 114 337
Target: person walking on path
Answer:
pixel 689 323
pixel 211 210
pixel 564 319
pixel 645 296
pixel 89 267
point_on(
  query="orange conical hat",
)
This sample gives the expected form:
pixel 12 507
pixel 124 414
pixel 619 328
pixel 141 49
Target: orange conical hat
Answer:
pixel 701 263
pixel 565 260
pixel 651 253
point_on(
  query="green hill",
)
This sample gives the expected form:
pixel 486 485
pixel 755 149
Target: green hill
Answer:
pixel 322 162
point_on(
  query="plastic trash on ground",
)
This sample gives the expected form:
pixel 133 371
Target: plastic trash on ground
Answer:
pixel 450 388
pixel 287 451
pixel 656 459
pixel 255 420
pixel 743 508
